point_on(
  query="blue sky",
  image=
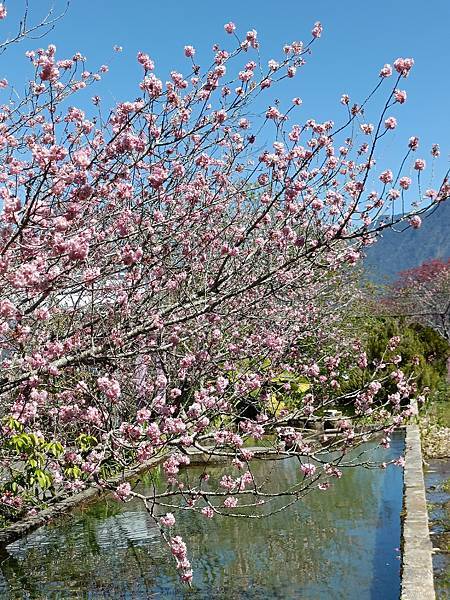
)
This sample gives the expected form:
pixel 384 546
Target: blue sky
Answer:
pixel 359 37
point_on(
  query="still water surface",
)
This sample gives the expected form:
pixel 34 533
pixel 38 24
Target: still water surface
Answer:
pixel 337 544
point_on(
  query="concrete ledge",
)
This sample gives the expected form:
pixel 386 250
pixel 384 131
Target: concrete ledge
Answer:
pixel 417 567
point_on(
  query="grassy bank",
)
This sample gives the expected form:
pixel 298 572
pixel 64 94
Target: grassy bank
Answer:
pixel 435 428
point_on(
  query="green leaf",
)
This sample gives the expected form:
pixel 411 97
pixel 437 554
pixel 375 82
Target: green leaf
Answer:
pixel 55 448
pixel 43 478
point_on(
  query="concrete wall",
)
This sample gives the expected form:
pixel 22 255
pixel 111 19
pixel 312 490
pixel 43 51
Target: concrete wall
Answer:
pixel 417 566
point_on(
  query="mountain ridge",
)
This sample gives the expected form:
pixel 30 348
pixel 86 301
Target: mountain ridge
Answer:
pixel 396 251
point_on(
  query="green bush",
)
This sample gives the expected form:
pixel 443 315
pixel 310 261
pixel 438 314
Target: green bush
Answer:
pixel 419 344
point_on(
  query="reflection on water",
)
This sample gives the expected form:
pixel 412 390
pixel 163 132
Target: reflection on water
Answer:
pixel 338 544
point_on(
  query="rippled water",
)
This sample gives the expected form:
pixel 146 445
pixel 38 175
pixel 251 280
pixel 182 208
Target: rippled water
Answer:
pixel 338 544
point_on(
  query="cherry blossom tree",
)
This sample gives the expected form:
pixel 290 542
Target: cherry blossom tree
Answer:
pixel 422 294
pixel 173 283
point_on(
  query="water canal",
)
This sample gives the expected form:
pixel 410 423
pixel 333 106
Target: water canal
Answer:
pixel 340 543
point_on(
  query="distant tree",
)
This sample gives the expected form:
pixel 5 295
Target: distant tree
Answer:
pixel 422 355
pixel 422 294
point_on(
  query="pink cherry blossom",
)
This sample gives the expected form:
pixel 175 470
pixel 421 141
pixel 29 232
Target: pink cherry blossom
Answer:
pixel 230 27
pixel 110 387
pixel 405 182
pixel 390 123
pixel 317 30
pixel 403 65
pixel 420 164
pixel 123 491
pixel 308 469
pixel 366 128
pixel 415 221
pixel 208 512
pixel 386 71
pixel 230 502
pixel 413 143
pixel 273 113
pixel 387 176
pixel 435 150
pixel 168 520
pixel 400 96
pixel 145 61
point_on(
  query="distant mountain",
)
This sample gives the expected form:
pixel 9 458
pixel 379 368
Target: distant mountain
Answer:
pixel 396 251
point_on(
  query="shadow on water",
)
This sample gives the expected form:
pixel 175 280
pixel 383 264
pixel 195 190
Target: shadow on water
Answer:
pixel 333 545
pixel 387 563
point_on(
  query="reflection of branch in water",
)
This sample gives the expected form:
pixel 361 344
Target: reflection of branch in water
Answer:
pixel 13 571
pixel 90 532
pixel 132 546
pixel 70 556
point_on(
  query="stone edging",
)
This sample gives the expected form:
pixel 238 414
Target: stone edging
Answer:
pixel 417 567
